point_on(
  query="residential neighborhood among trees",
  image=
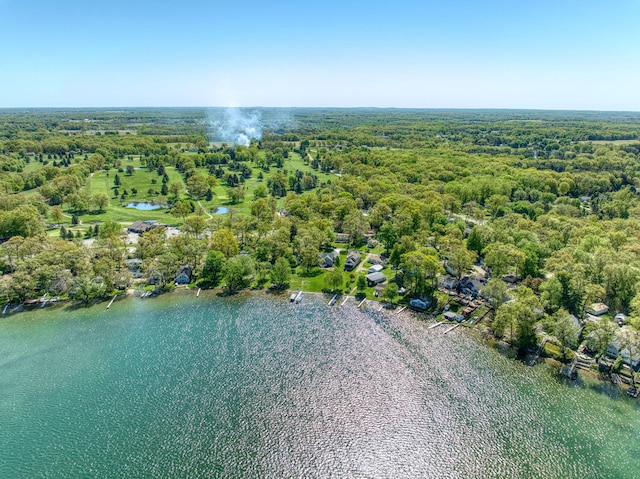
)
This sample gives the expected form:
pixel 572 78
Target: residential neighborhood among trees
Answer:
pixel 527 222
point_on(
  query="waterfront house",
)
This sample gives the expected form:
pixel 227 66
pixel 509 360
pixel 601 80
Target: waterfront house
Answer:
pixel 375 278
pixel 420 303
pixel 470 286
pixel 353 259
pixel 616 348
pixel 183 276
pixel 451 316
pixel 155 277
pixel 328 260
pixel 134 265
pixel 447 282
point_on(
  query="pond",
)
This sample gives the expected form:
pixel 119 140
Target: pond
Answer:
pixel 221 210
pixel 144 206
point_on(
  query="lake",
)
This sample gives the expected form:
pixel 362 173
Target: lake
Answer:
pixel 144 206
pixel 253 386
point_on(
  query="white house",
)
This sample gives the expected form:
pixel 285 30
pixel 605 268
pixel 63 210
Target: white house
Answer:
pixel 376 268
pixel 598 309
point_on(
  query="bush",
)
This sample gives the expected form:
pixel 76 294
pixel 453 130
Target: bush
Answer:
pixel 554 351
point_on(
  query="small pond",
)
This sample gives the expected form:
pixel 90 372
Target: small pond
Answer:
pixel 221 210
pixel 144 206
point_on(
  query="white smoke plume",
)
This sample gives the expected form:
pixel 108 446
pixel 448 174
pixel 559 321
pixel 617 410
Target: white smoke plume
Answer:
pixel 236 126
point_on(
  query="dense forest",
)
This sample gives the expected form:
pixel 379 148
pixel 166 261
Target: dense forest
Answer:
pixel 546 203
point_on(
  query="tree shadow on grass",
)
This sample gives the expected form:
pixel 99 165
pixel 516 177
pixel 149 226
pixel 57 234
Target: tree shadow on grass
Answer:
pixel 311 274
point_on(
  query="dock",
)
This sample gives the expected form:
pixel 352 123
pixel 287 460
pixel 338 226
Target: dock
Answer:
pixel 110 303
pixel 435 325
pixel 401 310
pixel 298 297
pixel 570 370
pixel 333 300
pixel 380 308
pixel 5 309
pixel 362 302
pixel 452 328
pixel 198 293
pixel 538 352
pixel 345 300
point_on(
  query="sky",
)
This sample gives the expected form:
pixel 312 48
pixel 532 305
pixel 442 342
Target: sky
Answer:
pixel 561 54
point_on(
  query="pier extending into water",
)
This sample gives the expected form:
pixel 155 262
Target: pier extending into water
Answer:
pixel 452 328
pixel 111 302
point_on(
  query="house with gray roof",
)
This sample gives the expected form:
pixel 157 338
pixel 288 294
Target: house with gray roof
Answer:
pixel 375 278
pixel 353 260
pixel 328 260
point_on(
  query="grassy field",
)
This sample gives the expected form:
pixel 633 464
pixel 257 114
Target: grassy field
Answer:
pixel 148 185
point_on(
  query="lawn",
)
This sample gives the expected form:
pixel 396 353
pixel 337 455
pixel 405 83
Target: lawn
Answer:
pixel 312 281
pixel 148 185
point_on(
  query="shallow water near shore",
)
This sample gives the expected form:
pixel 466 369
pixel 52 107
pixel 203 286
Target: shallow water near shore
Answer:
pixel 252 386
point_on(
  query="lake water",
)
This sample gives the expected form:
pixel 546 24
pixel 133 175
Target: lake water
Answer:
pixel 255 387
pixel 143 206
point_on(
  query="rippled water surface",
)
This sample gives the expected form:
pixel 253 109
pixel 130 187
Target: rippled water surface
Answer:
pixel 253 387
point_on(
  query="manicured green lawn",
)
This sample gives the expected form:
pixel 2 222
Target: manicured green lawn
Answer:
pixel 313 281
pixel 148 185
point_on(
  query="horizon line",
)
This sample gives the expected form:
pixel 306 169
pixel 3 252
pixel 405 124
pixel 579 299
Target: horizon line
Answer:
pixel 141 107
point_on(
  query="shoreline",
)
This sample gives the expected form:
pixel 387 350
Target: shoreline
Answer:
pixel 481 333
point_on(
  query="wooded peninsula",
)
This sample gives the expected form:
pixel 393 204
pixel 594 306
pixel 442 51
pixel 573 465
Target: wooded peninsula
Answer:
pixel 527 222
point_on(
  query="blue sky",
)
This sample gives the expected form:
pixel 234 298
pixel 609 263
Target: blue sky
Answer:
pixel 562 54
